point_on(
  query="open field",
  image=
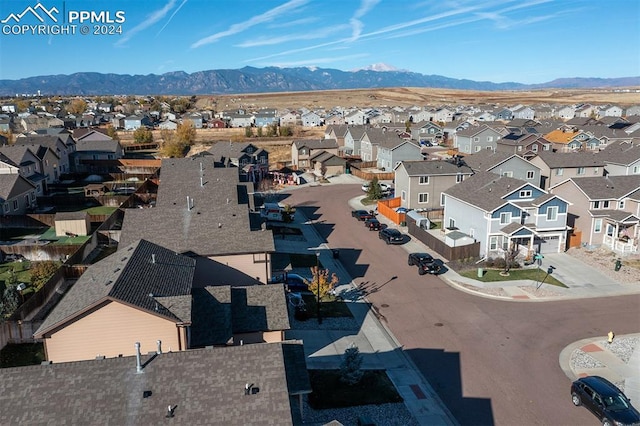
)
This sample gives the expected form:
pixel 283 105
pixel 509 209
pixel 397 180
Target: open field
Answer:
pixel 408 96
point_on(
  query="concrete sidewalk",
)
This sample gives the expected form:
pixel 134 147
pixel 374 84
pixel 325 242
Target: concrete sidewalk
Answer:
pixel 324 345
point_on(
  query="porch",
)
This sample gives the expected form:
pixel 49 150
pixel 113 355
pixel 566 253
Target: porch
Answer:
pixel 622 232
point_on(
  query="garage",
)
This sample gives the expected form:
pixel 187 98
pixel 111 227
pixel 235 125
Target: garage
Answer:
pixel 547 244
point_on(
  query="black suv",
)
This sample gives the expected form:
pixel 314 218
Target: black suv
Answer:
pixel 604 400
pixel 373 224
pixel 391 236
pixel 361 214
pixel 425 262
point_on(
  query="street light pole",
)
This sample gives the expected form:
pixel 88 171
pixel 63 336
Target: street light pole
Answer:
pixel 318 279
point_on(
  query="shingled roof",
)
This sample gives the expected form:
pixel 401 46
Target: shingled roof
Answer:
pixel 622 152
pixel 571 159
pixel 218 222
pixel 130 276
pixel 203 386
pixel 434 167
pixel 485 190
pixel 607 187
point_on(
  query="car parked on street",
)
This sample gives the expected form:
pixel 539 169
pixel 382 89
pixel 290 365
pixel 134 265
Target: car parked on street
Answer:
pixel 425 262
pixel 391 236
pixel 373 224
pixel 604 400
pixel 292 282
pixel 361 215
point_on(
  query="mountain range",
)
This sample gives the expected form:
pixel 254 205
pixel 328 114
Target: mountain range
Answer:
pixel 271 79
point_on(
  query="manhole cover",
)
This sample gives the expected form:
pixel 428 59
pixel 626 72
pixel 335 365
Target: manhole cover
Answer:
pixel 438 324
pixel 384 305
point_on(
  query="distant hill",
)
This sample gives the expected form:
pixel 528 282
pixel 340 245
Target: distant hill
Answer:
pixel 269 80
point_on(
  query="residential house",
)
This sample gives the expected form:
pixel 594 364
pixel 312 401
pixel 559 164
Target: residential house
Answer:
pixel 420 184
pixel 566 113
pixel 326 164
pixel 523 112
pixel 388 149
pixel 303 149
pixel 476 138
pixel 17 195
pixel 503 164
pixel 443 115
pixel 622 158
pixel 355 118
pixel 168 125
pixel 248 385
pixel 504 114
pixel 92 149
pixel 265 118
pixel 311 119
pixel 205 210
pixel 526 145
pixel 61 144
pixel 427 132
pixel 240 120
pixel 216 123
pixel 556 167
pixel 504 213
pixel 336 132
pixel 134 122
pixel 610 111
pixel 48 164
pixel 252 162
pixel 30 165
pixel 632 111
pixel 605 210
pixel 290 118
pixel 195 118
pixel 334 120
pixel 352 140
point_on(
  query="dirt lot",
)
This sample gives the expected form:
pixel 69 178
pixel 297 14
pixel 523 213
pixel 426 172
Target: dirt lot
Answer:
pixel 408 96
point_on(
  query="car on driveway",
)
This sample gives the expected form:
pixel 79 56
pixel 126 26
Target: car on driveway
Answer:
pixel 391 236
pixel 361 215
pixel 425 262
pixel 604 400
pixel 292 282
pixel 373 224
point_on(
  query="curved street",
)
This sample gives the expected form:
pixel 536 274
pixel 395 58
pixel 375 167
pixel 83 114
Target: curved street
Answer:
pixel 490 361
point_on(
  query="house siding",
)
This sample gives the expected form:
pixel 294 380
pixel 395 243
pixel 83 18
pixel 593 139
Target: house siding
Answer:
pixel 111 330
pixel 467 218
pixel 435 187
pixel 541 215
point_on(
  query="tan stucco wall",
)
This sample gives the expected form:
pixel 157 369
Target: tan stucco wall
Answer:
pixel 109 331
pixel 258 337
pixel 246 264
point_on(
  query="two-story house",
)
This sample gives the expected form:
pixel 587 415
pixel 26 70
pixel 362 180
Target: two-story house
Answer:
pixel 503 164
pixel 622 158
pixel 420 184
pixel 476 138
pixel 92 149
pixel 526 145
pixel 303 149
pixel 17 195
pixel 504 213
pixel 29 164
pixel 352 140
pixel 605 210
pixel 427 132
pixel 63 145
pixel 556 167
pixel 311 119
pixel 252 162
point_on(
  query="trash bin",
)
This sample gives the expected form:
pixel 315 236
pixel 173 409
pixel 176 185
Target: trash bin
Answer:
pixel 618 265
pixel 403 223
pixel 480 272
pixel 336 253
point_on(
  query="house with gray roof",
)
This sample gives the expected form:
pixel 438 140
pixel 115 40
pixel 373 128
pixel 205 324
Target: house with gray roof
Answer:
pixel 420 184
pixel 92 149
pixel 353 139
pixel 326 164
pixel 503 164
pixel 605 210
pixel 524 144
pixel 17 194
pixel 145 292
pixel 303 149
pixel 387 148
pixel 205 210
pixel 556 167
pixel 238 385
pixel 476 138
pixel 30 165
pixel 504 213
pixel 252 162
pixel 622 158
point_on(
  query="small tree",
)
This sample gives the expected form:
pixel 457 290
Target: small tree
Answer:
pixel 375 191
pixel 350 372
pixel 142 135
pixel 112 133
pixel 41 272
pixel 322 281
pixel 77 106
pixel 186 133
pixel 9 302
pixel 259 131
pixel 248 132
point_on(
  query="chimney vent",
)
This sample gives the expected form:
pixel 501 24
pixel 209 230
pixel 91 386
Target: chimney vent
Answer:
pixel 138 362
pixel 153 258
pixel 159 343
pixel 219 225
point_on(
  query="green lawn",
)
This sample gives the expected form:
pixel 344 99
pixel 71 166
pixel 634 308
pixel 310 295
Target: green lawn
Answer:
pixel 492 275
pixel 21 269
pixel 20 355
pixel 101 210
pixel 329 307
pixel 329 392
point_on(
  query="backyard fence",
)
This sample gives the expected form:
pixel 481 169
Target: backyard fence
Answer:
pixel 440 247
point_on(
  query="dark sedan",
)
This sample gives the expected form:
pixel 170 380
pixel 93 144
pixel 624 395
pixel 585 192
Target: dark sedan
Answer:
pixel 391 236
pixel 361 215
pixel 373 224
pixel 604 400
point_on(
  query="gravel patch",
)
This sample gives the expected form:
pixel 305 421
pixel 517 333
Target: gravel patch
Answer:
pixel 581 360
pixel 622 348
pixel 604 259
pixel 383 415
pixel 493 291
pixel 543 291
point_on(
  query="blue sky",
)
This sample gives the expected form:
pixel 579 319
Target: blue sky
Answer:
pixel 526 41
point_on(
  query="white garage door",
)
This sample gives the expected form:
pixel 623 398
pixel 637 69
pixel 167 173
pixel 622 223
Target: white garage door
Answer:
pixel 548 244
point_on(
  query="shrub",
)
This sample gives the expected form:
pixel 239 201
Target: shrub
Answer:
pixel 499 263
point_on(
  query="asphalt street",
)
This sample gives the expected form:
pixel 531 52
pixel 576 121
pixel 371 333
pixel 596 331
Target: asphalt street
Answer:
pixel 490 361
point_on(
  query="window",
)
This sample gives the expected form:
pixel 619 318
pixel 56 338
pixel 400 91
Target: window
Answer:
pixel 505 218
pixel 489 138
pixel 595 171
pixel 559 172
pixel 519 148
pixel 403 195
pixel 493 243
pixel 525 193
pixel 5 207
pixel 507 174
pixel 476 139
pixel 636 170
pixel 621 205
pixel 534 148
pixel 597 226
pixel 552 213
pixel 581 170
pixel 452 223
pixel 442 198
pixel 605 204
pixel 424 180
pixel 459 178
pixel 478 148
pixel 33 196
pixel 531 174
pixel 15 204
pixel 423 197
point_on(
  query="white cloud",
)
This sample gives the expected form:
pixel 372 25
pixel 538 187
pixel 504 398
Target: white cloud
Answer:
pixel 320 33
pixel 171 17
pixel 154 17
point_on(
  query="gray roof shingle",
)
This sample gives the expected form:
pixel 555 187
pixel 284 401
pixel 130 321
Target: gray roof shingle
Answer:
pixel 608 187
pixel 434 167
pixel 485 190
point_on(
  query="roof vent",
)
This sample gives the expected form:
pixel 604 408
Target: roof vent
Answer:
pixel 138 362
pixel 146 394
pixel 153 258
pixel 219 225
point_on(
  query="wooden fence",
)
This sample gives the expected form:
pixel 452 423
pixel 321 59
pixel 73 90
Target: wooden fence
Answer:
pixel 440 247
pixel 360 170
pixel 387 209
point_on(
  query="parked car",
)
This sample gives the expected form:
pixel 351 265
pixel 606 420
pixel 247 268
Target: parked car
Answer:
pixel 391 236
pixel 383 186
pixel 425 262
pixel 361 215
pixel 373 224
pixel 292 282
pixel 604 400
